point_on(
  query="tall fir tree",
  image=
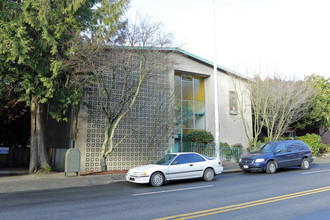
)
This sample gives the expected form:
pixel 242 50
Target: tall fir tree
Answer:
pixel 36 39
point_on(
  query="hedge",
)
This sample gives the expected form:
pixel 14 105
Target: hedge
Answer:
pixel 201 136
pixel 312 140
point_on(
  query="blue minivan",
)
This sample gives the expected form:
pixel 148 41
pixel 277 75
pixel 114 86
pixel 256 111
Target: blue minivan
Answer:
pixel 277 154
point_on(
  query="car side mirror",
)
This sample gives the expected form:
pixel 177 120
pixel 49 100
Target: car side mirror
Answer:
pixel 277 151
pixel 175 162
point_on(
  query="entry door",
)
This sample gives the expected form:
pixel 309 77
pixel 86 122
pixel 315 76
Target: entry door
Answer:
pixel 295 154
pixel 282 157
pixel 182 167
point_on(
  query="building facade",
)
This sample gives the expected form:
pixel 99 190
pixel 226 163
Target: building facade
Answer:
pixel 184 88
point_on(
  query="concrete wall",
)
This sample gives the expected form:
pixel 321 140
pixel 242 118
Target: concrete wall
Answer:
pixel 325 136
pixel 231 125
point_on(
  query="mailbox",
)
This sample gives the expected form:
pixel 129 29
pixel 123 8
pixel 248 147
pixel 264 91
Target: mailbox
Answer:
pixel 72 161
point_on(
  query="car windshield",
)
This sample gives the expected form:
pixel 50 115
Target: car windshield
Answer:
pixel 166 160
pixel 264 148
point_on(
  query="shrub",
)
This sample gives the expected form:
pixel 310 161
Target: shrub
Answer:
pixel 313 141
pixel 224 144
pixel 265 139
pixel 251 145
pixel 240 146
pixel 225 151
pixel 324 148
pixel 201 136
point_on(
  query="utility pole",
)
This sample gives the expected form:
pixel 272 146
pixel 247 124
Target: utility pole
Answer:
pixel 216 104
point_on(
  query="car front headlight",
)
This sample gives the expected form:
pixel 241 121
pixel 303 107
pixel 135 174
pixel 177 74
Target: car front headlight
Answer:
pixel 259 160
pixel 139 174
pixel 240 160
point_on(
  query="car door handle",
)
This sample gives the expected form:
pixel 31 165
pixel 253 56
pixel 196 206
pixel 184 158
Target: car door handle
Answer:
pixel 191 165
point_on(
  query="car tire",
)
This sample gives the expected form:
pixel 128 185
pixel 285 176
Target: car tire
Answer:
pixel 157 179
pixel 208 174
pixel 305 164
pixel 271 167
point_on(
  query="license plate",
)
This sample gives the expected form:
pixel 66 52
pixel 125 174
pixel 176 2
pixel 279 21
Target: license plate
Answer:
pixel 246 167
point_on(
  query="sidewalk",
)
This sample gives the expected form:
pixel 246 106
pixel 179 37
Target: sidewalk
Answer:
pixel 18 180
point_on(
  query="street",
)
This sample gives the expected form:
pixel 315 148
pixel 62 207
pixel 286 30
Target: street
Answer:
pixel 288 194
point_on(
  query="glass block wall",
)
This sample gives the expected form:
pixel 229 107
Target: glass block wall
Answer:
pixel 147 124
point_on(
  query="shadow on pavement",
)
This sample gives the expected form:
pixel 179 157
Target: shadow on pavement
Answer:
pixel 13 171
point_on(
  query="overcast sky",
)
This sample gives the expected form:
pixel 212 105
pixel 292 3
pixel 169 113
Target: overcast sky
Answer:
pixel 286 37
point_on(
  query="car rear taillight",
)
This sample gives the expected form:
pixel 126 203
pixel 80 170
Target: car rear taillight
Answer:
pixel 219 163
pixel 311 152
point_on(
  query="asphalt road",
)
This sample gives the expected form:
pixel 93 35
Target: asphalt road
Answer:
pixel 288 194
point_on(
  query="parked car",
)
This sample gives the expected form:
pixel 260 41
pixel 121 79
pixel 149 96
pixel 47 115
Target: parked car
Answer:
pixel 176 166
pixel 270 156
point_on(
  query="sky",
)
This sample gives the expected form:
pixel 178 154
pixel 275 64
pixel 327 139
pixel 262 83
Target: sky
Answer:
pixel 287 38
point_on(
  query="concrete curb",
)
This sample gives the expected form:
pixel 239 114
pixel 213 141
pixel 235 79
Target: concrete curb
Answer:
pixel 21 183
pixel 55 181
pixel 59 181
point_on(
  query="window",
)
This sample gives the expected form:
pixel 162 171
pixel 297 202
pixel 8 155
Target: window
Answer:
pixel 187 91
pixel 187 112
pixel 304 146
pixel 198 158
pixel 189 104
pixel 281 147
pixel 233 103
pixel 292 148
pixel 166 160
pixel 183 159
pixel 177 86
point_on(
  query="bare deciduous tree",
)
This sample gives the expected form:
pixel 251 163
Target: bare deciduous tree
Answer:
pixel 163 126
pixel 276 104
pixel 288 102
pixel 118 71
pixel 244 101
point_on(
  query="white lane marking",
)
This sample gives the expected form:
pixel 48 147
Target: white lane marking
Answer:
pixel 172 190
pixel 318 171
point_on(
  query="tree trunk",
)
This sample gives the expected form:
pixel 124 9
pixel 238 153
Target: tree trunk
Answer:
pixel 33 141
pixel 104 166
pixel 38 155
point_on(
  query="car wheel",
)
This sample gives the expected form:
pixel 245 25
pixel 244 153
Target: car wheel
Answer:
pixel 157 179
pixel 271 167
pixel 304 164
pixel 208 174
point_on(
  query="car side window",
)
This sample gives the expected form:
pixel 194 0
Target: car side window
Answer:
pixel 198 158
pixel 281 147
pixel 291 148
pixel 183 158
pixel 299 146
pixel 303 146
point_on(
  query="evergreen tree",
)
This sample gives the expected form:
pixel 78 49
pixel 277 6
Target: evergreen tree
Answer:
pixel 319 115
pixel 37 37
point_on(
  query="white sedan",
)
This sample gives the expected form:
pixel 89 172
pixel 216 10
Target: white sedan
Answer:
pixel 176 166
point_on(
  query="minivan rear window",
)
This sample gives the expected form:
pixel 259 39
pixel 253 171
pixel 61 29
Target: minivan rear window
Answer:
pixel 303 146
